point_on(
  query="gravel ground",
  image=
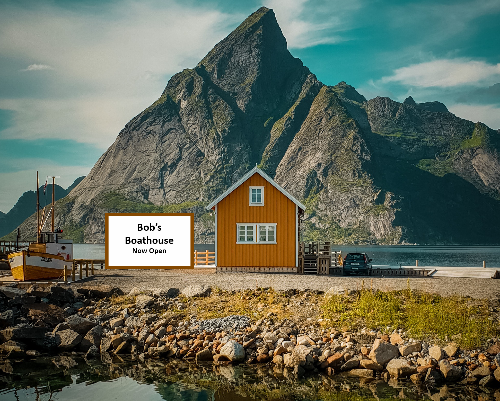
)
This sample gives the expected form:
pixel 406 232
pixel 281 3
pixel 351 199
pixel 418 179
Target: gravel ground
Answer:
pixel 480 288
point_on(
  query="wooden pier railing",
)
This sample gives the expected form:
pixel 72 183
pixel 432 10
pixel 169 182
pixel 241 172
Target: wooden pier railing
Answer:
pixel 204 258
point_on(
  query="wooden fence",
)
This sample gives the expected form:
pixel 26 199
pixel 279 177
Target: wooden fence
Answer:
pixel 204 258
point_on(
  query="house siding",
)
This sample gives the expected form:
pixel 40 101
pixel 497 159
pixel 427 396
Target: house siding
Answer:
pixel 234 209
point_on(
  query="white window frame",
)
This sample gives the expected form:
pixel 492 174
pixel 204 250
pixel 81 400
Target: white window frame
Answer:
pixel 246 233
pixel 256 234
pixel 261 203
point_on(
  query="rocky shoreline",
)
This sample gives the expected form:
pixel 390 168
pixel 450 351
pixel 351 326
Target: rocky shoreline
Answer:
pixel 99 321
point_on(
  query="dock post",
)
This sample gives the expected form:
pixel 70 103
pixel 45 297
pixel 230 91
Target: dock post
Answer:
pixel 73 271
pixel 416 263
pixel 65 274
pixel 81 270
pixel 92 268
pixel 484 264
pixel 87 268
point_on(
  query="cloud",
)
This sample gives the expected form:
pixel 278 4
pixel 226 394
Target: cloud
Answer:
pixel 445 73
pixel 489 95
pixel 110 62
pixel 487 114
pixel 38 67
pixel 307 24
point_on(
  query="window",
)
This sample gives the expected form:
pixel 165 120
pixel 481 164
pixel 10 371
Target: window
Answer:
pixel 267 233
pixel 245 233
pixel 256 196
pixel 253 233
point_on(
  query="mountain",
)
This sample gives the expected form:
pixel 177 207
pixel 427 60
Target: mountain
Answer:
pixel 26 206
pixel 369 171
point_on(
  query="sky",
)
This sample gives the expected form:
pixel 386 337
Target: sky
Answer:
pixel 74 72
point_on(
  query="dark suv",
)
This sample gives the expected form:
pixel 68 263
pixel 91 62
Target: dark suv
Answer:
pixel 357 263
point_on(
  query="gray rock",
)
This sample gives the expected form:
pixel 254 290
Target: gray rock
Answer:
pixel 79 324
pixel 133 322
pixel 433 377
pixel 233 350
pixel 143 301
pixel 481 371
pixel 61 295
pixel 451 349
pixel 352 363
pixel 197 291
pixel 69 339
pixel 300 356
pixel 400 368
pixel 408 349
pixel 436 353
pixel 106 344
pixel 6 319
pixel 168 294
pixel 12 292
pixel 450 372
pixel 497 374
pixel 204 356
pixel 93 337
pixel 116 322
pixel 382 352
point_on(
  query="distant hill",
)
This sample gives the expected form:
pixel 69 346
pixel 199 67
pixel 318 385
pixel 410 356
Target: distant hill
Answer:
pixel 26 206
pixel 373 171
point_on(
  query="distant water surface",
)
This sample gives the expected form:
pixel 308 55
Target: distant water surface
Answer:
pixel 459 256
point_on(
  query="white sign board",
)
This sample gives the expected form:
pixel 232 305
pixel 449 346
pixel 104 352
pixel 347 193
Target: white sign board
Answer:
pixel 149 240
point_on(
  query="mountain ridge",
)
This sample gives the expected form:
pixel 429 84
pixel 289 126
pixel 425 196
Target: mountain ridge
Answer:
pixel 369 171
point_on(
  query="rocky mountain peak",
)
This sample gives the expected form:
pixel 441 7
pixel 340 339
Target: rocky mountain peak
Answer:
pixel 348 92
pixel 410 102
pixel 252 64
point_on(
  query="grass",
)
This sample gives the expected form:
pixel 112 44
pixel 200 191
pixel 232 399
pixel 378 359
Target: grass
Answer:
pixel 421 315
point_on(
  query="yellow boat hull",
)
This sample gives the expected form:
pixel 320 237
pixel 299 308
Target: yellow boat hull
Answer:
pixel 28 265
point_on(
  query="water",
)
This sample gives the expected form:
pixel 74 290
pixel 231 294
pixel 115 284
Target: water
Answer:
pixel 72 378
pixel 459 256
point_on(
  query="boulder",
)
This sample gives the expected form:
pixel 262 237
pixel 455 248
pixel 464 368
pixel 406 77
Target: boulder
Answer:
pixel 68 339
pixel 408 349
pixel 106 344
pixel 169 293
pixel 233 350
pixel 494 349
pixel 352 363
pixel 496 374
pixel 396 339
pixel 49 314
pixel 451 349
pixel 143 301
pixel 433 377
pixel 270 338
pixel 79 324
pixel 204 355
pixel 436 353
pixel 481 371
pixel 100 291
pixel 305 340
pixel 60 295
pixel 12 292
pixel 116 322
pixel 400 368
pixel 300 356
pixel 450 372
pixel 278 360
pixel 382 352
pixel 92 338
pixel 371 365
pixel 197 291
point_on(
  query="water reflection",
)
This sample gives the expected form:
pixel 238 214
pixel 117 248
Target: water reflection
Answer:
pixel 73 378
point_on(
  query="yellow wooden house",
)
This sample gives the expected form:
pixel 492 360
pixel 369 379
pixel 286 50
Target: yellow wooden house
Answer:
pixel 257 226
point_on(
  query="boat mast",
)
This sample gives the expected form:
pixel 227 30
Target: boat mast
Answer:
pixel 37 209
pixel 53 201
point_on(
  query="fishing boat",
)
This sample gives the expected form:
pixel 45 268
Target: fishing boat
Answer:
pixel 45 258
